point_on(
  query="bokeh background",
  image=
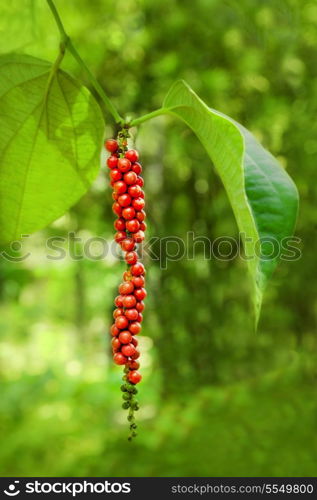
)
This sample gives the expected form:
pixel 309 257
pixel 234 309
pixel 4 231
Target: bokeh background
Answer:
pixel 217 399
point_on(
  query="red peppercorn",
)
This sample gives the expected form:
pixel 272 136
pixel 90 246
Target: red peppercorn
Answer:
pixel 127 244
pixel 138 281
pixel 125 337
pixel 111 145
pixel 130 178
pixel 132 155
pixel 121 322
pixel 133 226
pixel 124 164
pixel 118 312
pixel 128 213
pixel 141 215
pixel 134 341
pixel 136 355
pixel 137 203
pixel 119 301
pixel 140 294
pixel 133 365
pixel 129 301
pixel 120 187
pixel 128 350
pixel 140 181
pixel 126 288
pixel 131 314
pixel 137 269
pixel 131 258
pixel 116 208
pixel 114 330
pixel 138 236
pixel 112 161
pixel 115 175
pixel 128 206
pixel 116 344
pixel 119 224
pixel 135 327
pixel 120 359
pixel 137 168
pixel 134 191
pixel 134 377
pixel 140 306
pixel 120 236
pixel 127 276
pixel 124 200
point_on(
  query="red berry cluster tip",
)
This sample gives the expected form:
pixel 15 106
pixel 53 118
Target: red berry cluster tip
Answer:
pixel 128 196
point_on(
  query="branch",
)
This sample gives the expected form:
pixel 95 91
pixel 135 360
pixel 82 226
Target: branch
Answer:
pixel 68 44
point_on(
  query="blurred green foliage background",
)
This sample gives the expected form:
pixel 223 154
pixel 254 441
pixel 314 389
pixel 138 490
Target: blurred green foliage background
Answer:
pixel 217 399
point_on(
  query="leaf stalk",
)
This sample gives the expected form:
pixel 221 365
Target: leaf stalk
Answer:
pixel 148 116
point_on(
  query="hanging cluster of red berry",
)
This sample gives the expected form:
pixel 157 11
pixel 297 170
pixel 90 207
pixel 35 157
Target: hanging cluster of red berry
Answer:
pixel 130 225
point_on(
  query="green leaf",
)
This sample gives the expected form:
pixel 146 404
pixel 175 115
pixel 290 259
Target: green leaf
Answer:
pixel 51 132
pixel 263 197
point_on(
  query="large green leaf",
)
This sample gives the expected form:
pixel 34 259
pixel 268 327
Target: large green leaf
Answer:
pixel 263 197
pixel 51 132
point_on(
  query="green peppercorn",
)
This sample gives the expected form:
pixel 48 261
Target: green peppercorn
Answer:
pixel 126 396
pixel 126 405
pixel 135 405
